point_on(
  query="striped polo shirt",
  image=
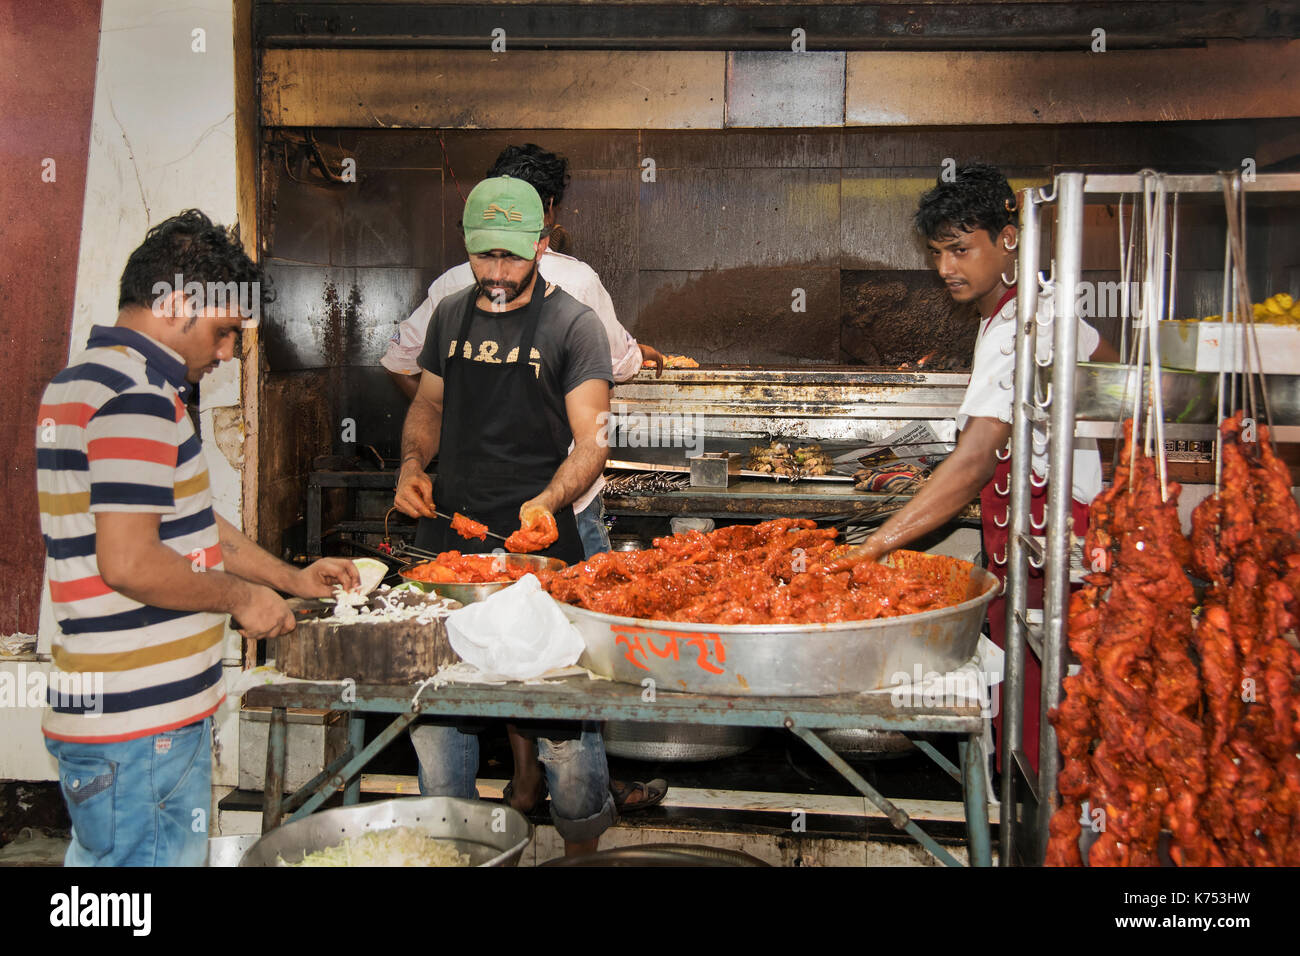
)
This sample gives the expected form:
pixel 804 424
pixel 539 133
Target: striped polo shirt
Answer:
pixel 113 435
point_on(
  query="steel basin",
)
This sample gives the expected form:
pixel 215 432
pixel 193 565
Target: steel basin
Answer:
pixel 867 743
pixel 790 660
pixel 467 593
pixel 681 743
pixel 492 834
pixel 229 850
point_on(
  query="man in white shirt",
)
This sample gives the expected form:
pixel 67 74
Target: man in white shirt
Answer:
pixel 548 174
pixel 970 230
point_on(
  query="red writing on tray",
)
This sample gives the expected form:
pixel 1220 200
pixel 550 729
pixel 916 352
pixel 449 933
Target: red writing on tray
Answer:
pixel 643 641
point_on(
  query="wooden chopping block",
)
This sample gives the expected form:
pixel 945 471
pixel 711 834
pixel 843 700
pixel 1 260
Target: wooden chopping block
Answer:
pixel 383 652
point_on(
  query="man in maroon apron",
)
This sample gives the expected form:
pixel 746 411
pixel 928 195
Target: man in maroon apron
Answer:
pixel 970 229
pixel 514 369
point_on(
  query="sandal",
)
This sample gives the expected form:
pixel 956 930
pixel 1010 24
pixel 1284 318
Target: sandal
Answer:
pixel 653 794
pixel 509 792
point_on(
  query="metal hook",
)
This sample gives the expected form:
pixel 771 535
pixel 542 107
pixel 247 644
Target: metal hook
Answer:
pixel 1043 401
pixel 1006 518
pixel 1037 484
pixel 1015 275
pixel 1045 284
pixel 1005 350
pixel 1035 564
pixel 1003 457
pixel 1011 246
pixel 1042 364
pixel 1005 383
pixel 1002 560
pixel 1042 193
pixel 1037 525
pixel 1002 492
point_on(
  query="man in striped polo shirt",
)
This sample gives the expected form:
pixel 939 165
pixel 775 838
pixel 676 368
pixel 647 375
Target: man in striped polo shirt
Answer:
pixel 142 571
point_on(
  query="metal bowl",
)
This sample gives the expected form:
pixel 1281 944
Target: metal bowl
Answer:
pixel 1105 392
pixel 867 743
pixel 660 854
pixel 791 660
pixel 468 593
pixel 490 833
pixel 681 743
pixel 229 850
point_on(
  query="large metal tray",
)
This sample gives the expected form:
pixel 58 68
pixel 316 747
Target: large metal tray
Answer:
pixel 788 660
pixel 467 593
pixel 492 834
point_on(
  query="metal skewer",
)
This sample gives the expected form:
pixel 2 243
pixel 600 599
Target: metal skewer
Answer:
pixel 490 534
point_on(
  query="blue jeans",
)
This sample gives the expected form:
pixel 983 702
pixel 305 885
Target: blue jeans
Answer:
pixel 142 802
pixel 577 775
pixel 591 527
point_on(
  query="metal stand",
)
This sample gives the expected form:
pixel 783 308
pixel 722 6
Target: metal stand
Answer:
pixel 578 698
pixel 1028 801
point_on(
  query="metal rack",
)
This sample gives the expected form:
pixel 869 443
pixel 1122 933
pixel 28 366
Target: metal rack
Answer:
pixel 1028 799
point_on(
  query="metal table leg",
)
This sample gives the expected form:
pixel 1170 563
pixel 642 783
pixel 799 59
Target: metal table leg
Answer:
pixel 273 789
pixel 353 767
pixel 974 792
pixel 356 740
pixel 896 816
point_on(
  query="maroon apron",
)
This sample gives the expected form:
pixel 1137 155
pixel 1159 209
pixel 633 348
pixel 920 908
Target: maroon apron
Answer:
pixel 995 501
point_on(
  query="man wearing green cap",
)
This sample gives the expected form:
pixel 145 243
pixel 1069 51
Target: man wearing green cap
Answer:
pixel 514 371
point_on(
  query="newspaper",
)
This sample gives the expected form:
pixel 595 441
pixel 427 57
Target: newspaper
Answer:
pixel 920 443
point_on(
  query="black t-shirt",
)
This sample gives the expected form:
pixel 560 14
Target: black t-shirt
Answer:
pixel 569 347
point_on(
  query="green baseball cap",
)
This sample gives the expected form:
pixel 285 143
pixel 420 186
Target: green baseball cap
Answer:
pixel 503 213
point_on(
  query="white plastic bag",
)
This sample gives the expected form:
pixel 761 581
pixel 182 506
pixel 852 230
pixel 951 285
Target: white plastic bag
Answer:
pixel 519 632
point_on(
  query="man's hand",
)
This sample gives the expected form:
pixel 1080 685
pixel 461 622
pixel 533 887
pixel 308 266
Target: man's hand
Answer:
pixel 319 578
pixel 532 508
pixel 414 492
pixel 261 613
pixel 649 354
pixel 869 550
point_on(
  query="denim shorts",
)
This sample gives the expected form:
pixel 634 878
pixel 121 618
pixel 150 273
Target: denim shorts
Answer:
pixel 577 774
pixel 591 527
pixel 142 802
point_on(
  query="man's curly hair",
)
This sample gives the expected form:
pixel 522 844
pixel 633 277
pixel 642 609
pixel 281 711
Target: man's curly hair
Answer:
pixel 545 172
pixel 190 245
pixel 979 198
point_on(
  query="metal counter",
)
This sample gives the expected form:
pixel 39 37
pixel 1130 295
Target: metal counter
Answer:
pixel 578 698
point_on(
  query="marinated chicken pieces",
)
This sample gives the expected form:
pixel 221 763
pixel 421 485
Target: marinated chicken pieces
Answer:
pixel 1155 737
pixel 540 532
pixel 468 527
pixel 769 573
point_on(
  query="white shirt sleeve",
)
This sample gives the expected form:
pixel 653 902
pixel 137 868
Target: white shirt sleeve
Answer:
pixel 404 348
pixel 992 378
pixel 581 281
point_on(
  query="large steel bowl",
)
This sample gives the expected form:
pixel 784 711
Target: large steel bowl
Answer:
pixel 791 660
pixel 466 592
pixel 490 833
pixel 677 743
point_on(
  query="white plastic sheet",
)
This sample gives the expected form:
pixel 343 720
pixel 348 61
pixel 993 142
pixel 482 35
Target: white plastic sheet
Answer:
pixel 519 632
